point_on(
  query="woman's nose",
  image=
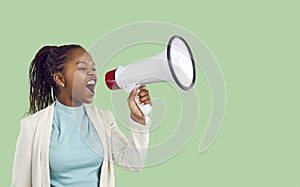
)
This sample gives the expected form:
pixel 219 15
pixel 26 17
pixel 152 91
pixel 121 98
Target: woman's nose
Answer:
pixel 92 73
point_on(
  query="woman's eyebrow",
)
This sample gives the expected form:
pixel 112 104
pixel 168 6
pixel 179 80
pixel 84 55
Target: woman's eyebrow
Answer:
pixel 85 62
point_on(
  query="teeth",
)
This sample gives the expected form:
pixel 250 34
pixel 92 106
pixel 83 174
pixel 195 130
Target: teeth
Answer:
pixel 91 82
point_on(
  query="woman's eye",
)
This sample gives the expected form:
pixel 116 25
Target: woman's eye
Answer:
pixel 94 69
pixel 82 68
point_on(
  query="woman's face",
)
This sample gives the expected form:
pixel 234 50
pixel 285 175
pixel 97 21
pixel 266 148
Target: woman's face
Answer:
pixel 80 78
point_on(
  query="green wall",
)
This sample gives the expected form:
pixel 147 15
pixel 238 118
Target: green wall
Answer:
pixel 256 44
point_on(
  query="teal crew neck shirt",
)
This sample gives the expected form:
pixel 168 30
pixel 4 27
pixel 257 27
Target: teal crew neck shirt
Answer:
pixel 76 152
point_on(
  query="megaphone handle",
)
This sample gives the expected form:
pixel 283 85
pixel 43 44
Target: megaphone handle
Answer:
pixel 146 109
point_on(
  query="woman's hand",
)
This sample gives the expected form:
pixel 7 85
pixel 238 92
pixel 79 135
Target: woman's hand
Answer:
pixel 144 98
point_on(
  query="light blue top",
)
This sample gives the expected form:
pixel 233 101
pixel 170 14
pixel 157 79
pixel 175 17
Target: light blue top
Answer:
pixel 76 152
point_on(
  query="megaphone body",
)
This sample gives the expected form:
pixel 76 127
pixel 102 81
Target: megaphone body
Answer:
pixel 175 64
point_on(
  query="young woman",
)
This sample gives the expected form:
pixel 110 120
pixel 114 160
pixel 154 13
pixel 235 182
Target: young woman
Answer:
pixel 64 142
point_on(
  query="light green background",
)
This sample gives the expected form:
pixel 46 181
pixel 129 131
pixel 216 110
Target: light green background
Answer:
pixel 256 44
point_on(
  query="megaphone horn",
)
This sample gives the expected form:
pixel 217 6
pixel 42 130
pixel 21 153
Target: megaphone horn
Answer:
pixel 175 64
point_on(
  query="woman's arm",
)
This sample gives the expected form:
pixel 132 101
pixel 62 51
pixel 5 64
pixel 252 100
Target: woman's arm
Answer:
pixel 21 175
pixel 130 153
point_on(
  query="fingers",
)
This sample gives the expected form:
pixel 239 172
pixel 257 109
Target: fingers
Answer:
pixel 143 95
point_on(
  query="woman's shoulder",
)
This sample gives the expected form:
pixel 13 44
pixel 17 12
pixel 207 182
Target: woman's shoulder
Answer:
pixel 41 113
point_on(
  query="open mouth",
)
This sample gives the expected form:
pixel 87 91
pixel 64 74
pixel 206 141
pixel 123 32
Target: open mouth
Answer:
pixel 91 86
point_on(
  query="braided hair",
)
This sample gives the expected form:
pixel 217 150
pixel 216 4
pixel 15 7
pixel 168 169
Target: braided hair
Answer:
pixel 47 61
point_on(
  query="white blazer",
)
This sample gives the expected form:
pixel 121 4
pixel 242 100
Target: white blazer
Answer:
pixel 31 161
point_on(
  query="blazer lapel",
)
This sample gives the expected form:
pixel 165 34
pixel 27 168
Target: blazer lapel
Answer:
pixel 47 118
pixel 97 121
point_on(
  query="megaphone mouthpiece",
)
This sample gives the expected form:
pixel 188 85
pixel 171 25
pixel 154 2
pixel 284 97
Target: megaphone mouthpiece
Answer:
pixel 110 80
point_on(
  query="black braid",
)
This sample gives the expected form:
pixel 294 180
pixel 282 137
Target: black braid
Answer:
pixel 47 61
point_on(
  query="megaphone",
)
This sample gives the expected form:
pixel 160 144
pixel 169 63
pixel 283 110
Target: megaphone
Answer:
pixel 175 64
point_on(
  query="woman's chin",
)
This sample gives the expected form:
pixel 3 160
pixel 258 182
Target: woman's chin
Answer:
pixel 88 100
pixel 88 96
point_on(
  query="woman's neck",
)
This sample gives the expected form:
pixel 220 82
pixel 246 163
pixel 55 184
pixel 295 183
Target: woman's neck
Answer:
pixel 69 101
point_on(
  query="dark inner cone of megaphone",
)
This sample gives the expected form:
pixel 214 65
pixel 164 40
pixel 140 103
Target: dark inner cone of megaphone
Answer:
pixel 181 62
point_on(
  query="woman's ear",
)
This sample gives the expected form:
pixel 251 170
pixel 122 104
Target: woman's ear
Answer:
pixel 59 79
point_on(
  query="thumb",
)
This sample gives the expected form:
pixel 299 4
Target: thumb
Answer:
pixel 133 93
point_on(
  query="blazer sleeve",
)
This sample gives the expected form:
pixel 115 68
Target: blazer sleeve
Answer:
pixel 21 174
pixel 130 153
